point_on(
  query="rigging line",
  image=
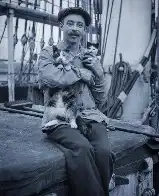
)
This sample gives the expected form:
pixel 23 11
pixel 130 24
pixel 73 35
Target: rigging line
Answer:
pixel 25 50
pixel 16 28
pixel 32 48
pixel 5 25
pixel 42 42
pixel 51 40
pixel 59 36
pixel 34 23
pixel 24 45
pixel 90 28
pixel 97 19
pixel 105 26
pixel 118 28
pixel 52 13
pixel 96 26
pixel 105 44
pixel 100 31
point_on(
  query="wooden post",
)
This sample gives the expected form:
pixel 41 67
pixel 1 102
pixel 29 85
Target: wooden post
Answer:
pixel 11 79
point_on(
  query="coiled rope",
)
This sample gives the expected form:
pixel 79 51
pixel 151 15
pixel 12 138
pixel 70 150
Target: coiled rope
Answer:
pixel 121 73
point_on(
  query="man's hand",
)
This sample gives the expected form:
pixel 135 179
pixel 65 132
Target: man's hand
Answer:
pixel 91 62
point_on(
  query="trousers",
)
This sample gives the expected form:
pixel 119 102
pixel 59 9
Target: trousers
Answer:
pixel 89 160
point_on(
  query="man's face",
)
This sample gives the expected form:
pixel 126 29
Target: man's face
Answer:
pixel 73 28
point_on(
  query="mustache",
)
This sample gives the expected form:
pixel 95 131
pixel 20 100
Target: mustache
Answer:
pixel 74 33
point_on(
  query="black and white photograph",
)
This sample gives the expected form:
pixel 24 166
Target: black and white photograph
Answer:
pixel 79 97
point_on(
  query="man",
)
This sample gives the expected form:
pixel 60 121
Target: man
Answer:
pixel 88 157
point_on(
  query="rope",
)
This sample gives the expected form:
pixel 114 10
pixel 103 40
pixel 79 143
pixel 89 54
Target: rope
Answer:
pixel 97 22
pixel 32 46
pixel 90 28
pixel 98 8
pixel 42 42
pixel 5 25
pixel 24 40
pixel 121 73
pixel 52 13
pixel 97 26
pixel 104 50
pixel 16 28
pixel 117 37
pixel 30 38
pixel 16 31
pixel 59 36
pixel 105 26
pixel 51 40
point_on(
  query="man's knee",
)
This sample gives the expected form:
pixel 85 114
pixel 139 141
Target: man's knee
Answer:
pixel 104 151
pixel 84 147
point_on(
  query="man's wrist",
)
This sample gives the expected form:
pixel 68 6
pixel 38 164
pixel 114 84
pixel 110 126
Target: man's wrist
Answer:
pixel 99 79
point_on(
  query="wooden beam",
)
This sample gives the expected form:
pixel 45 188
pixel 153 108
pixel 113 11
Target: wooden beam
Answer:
pixel 30 14
pixel 11 78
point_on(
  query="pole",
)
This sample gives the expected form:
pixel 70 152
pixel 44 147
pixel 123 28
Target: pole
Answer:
pixel 11 78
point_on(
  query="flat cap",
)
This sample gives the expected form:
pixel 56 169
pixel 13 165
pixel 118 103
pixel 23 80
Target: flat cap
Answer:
pixel 74 10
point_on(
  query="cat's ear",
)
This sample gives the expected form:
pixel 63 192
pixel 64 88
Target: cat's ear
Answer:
pixel 89 44
pixel 55 49
pixel 97 45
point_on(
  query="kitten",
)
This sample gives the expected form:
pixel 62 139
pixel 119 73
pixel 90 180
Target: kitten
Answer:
pixel 93 47
pixel 61 108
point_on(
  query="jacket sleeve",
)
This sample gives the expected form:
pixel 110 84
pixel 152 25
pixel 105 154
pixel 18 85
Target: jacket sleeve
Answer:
pixel 52 76
pixel 99 91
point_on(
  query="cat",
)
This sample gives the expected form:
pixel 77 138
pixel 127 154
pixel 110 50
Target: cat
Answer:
pixel 60 59
pixel 93 48
pixel 61 108
pixel 61 104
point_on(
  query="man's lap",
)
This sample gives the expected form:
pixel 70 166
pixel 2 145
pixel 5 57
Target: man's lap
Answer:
pixel 73 138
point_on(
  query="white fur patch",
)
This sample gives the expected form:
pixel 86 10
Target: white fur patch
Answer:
pixel 51 123
pixel 59 102
pixel 73 124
